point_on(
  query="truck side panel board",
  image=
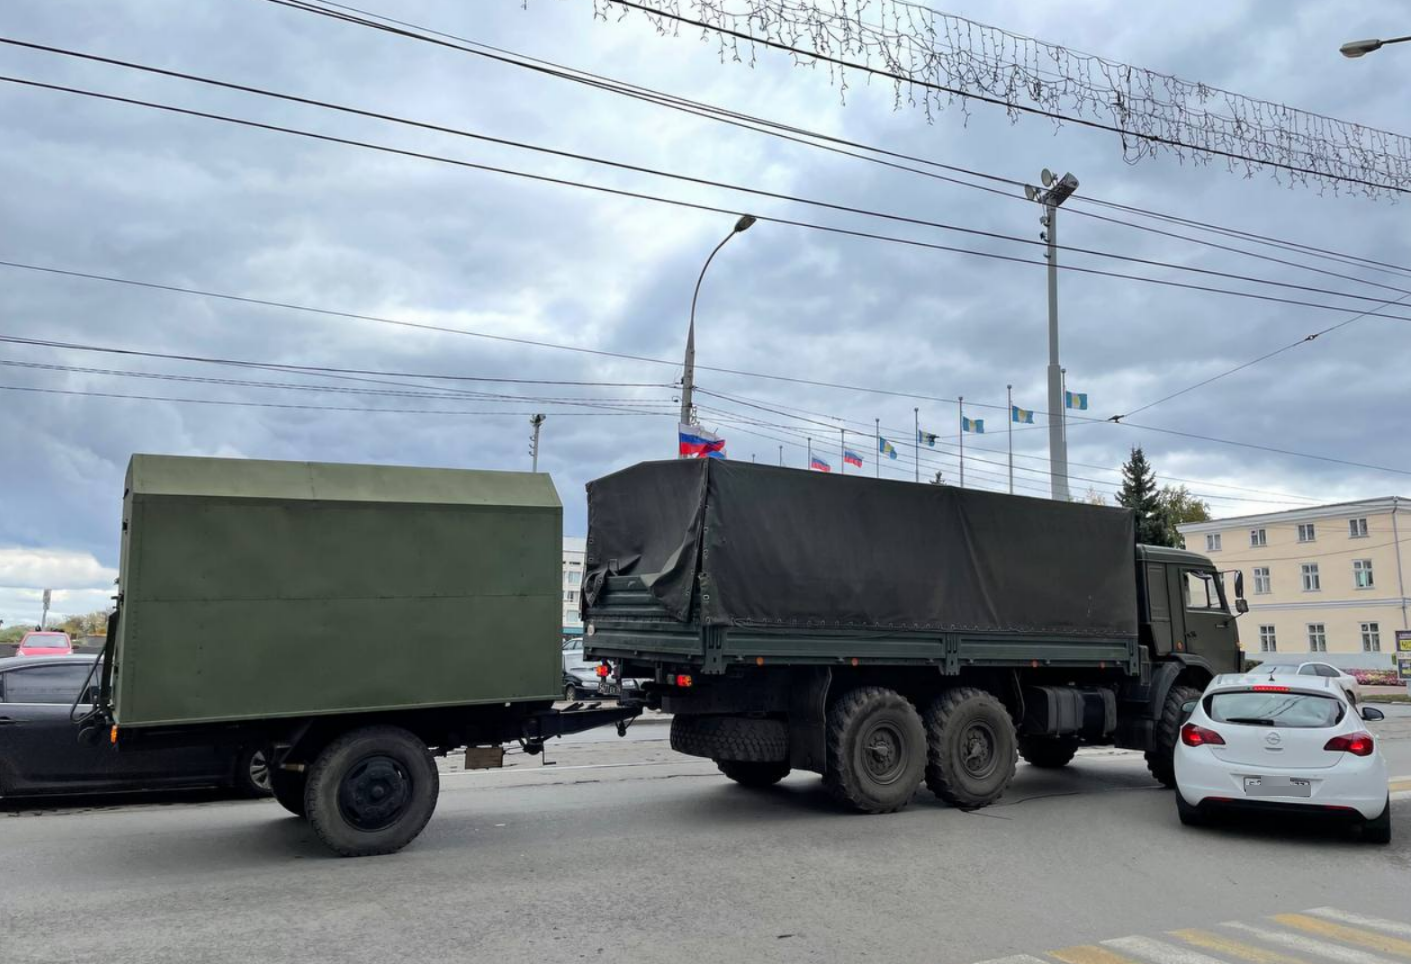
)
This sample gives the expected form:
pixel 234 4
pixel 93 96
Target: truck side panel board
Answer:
pixel 266 589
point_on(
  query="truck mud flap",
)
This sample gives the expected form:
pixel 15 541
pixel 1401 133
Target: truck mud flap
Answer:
pixel 808 701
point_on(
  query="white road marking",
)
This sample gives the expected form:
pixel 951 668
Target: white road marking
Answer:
pixel 1160 951
pixel 1308 945
pixel 1014 959
pixel 1362 920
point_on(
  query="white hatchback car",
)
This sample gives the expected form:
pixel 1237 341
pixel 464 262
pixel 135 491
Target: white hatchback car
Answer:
pixel 1282 743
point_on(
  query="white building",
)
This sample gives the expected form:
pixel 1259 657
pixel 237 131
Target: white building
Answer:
pixel 574 550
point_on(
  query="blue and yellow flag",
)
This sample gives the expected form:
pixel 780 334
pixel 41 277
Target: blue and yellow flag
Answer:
pixel 1078 400
pixel 1017 414
pixel 926 438
pixel 976 425
pixel 886 448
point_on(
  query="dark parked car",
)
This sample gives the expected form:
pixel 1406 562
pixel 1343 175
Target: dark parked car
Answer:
pixel 40 753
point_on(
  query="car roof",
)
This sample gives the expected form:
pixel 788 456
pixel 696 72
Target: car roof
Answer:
pixel 1307 684
pixel 12 662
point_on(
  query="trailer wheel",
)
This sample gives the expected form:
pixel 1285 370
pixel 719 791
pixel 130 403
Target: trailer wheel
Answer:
pixel 1048 752
pixel 754 774
pixel 1161 758
pixel 371 791
pixel 876 750
pixel 971 748
pixel 288 787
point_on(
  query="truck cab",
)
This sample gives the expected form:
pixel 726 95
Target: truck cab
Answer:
pixel 1185 613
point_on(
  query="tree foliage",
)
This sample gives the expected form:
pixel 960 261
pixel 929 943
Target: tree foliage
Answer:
pixel 1158 511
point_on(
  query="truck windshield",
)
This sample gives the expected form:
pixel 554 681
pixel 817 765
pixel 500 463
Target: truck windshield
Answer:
pixel 1203 590
pixel 1299 710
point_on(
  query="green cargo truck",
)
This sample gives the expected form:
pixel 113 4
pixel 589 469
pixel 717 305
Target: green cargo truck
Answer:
pixel 885 633
pixel 355 620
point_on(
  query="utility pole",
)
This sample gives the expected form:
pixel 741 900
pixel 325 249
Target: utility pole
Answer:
pixel 1054 193
pixel 536 421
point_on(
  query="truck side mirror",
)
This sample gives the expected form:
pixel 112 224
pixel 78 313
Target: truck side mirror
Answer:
pixel 1239 584
pixel 1241 605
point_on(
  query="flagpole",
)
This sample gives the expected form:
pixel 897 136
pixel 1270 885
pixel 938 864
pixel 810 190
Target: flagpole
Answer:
pixel 961 403
pixel 781 455
pixel 843 450
pixel 877 449
pixel 916 440
pixel 809 464
pixel 1063 417
pixel 1009 393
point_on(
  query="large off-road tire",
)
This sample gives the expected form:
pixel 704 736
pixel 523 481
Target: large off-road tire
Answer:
pixel 971 747
pixel 754 774
pixel 1048 752
pixel 876 750
pixel 288 787
pixel 1379 830
pixel 1161 758
pixel 736 738
pixel 371 791
pixel 252 773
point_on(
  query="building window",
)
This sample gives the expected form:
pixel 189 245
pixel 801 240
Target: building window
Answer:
pixel 1305 532
pixel 571 596
pixel 1311 581
pixel 572 578
pixel 1362 573
pixel 1371 638
pixel 1317 638
pixel 1261 581
pixel 1212 542
pixel 1357 528
pixel 1267 642
pixel 1257 537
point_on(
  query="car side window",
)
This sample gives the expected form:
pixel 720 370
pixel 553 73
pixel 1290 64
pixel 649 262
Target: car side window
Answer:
pixel 55 683
pixel 1327 671
pixel 1309 670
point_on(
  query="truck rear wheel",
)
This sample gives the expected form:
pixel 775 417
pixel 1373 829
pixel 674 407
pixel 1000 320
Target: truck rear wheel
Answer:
pixel 970 748
pixel 733 738
pixel 876 750
pixel 288 787
pixel 1161 758
pixel 1048 752
pixel 754 774
pixel 371 791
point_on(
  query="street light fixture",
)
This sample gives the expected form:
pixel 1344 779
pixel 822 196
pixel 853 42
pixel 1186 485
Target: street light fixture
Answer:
pixel 1360 48
pixel 688 374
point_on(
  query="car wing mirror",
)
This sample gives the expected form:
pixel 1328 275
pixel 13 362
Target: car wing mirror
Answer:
pixel 1371 714
pixel 1188 707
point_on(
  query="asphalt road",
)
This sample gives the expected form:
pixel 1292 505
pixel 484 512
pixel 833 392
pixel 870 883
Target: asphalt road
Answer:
pixel 624 852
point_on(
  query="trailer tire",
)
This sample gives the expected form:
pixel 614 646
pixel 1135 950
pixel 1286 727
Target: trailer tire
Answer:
pixel 371 791
pixel 1048 752
pixel 971 748
pixel 732 738
pixel 876 750
pixel 288 787
pixel 1161 758
pixel 750 773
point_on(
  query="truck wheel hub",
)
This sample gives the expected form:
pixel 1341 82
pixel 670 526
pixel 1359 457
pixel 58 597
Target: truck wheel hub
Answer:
pixel 883 753
pixel 374 793
pixel 977 749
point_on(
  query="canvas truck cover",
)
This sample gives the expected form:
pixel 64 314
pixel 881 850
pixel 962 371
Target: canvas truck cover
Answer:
pixel 783 548
pixel 254 589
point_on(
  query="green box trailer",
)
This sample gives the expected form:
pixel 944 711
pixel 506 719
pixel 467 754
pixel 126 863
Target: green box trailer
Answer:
pixel 354 620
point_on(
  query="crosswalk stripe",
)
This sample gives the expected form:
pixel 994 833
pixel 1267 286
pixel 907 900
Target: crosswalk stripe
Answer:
pixel 1334 952
pixel 1349 935
pixel 1089 954
pixel 1160 951
pixel 1362 920
pixel 1233 948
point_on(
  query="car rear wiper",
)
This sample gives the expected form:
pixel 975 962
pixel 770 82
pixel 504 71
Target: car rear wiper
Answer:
pixel 1254 720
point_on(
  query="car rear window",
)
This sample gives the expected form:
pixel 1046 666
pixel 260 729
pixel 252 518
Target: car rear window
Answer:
pixel 1304 710
pixel 47 639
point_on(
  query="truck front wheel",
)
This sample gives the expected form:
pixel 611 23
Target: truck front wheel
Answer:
pixel 371 791
pixel 749 773
pixel 876 750
pixel 1161 758
pixel 970 747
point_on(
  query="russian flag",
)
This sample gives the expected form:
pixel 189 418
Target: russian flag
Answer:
pixel 697 443
pixel 852 458
pixel 820 465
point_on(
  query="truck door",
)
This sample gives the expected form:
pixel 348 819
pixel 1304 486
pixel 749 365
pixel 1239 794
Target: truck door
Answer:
pixel 1205 619
pixel 1158 600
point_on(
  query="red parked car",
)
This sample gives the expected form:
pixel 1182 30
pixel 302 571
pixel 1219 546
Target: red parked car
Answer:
pixel 45 644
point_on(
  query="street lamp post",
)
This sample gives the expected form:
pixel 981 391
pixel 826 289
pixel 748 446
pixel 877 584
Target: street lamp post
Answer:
pixel 688 375
pixel 1054 192
pixel 1361 48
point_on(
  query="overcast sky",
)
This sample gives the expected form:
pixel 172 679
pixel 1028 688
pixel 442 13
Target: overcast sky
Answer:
pixel 118 190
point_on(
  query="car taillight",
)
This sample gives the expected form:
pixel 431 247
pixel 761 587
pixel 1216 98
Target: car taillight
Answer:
pixel 1358 744
pixel 603 670
pixel 1192 735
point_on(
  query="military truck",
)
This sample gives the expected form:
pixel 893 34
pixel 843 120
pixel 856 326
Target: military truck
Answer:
pixel 884 633
pixel 356 621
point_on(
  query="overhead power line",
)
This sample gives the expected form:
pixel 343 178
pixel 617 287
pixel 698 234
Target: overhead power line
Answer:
pixel 1150 111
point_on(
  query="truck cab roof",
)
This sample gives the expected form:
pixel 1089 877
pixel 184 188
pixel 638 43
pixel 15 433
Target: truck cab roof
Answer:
pixel 1179 557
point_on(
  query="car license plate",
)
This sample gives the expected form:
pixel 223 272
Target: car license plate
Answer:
pixel 1277 787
